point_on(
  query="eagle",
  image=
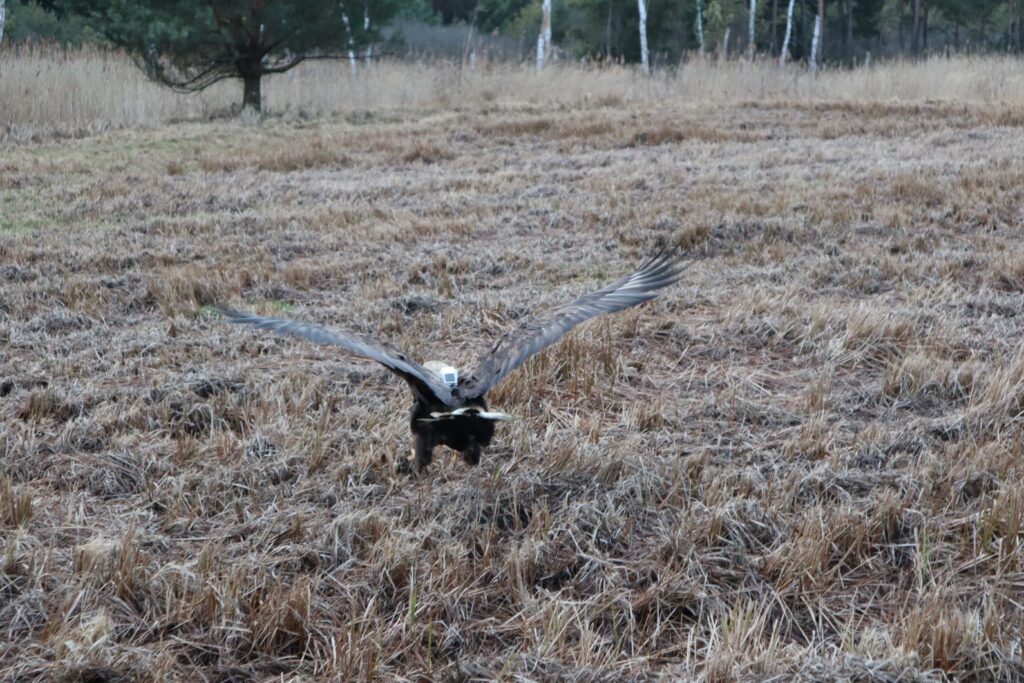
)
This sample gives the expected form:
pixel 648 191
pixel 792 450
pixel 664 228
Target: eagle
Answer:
pixel 451 410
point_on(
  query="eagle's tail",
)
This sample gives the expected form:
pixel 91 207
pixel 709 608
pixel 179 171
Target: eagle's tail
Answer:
pixel 468 411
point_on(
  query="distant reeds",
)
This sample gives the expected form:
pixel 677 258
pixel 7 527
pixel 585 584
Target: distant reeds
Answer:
pixel 46 90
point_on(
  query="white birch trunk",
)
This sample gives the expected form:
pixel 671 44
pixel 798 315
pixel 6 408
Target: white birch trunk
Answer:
pixel 751 46
pixel 816 43
pixel 725 42
pixel 700 30
pixel 547 27
pixel 3 14
pixel 544 39
pixel 366 29
pixel 789 32
pixel 352 63
pixel 644 57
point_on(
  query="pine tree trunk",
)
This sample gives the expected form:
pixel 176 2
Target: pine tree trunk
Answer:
pixel 789 34
pixel 924 26
pixel 1011 16
pixel 915 29
pixel 804 32
pixel 751 46
pixel 251 98
pixel 1016 26
pixel 899 25
pixel 608 33
pixel 849 31
pixel 775 26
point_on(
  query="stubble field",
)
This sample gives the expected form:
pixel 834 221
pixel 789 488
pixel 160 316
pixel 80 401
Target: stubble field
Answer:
pixel 803 460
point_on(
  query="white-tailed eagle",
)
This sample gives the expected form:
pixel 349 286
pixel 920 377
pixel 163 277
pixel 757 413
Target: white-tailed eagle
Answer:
pixel 450 410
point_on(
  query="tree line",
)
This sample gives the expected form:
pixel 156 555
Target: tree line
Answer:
pixel 610 29
pixel 191 44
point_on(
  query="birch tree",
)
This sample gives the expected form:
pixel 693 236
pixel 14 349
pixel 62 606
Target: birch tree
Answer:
pixel 816 40
pixel 366 29
pixel 3 13
pixel 789 33
pixel 544 39
pixel 352 65
pixel 700 30
pixel 644 57
pixel 751 47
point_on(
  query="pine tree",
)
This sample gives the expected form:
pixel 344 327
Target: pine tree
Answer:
pixel 189 45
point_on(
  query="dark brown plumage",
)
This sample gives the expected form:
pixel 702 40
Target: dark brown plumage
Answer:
pixel 456 415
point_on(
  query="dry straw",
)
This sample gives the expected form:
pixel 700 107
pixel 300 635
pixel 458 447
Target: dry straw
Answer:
pixel 44 90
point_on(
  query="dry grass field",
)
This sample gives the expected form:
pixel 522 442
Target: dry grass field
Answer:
pixel 805 460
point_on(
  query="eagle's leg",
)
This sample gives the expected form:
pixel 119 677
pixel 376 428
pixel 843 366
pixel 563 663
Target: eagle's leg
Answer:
pixel 422 454
pixel 424 449
pixel 471 456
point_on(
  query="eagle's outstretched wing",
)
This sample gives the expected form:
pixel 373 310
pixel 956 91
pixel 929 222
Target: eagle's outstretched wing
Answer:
pixel 425 384
pixel 514 347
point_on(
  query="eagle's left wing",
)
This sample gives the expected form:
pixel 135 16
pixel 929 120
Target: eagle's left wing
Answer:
pixel 516 346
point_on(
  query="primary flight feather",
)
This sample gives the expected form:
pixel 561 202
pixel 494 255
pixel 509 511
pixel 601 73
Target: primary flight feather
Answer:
pixel 451 411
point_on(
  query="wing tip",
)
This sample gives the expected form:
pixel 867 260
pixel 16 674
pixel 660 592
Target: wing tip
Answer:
pixel 663 269
pixel 233 315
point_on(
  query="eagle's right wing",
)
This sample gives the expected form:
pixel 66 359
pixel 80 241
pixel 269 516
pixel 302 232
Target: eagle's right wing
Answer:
pixel 424 383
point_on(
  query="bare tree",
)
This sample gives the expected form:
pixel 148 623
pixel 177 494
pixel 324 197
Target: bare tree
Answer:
pixel 544 39
pixel 816 40
pixel 789 34
pixel 751 47
pixel 644 57
pixel 700 29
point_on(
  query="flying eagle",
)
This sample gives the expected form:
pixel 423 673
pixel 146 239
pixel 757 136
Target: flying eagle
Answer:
pixel 450 410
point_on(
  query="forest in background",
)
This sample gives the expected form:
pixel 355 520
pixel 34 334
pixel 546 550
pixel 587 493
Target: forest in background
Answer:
pixel 852 31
